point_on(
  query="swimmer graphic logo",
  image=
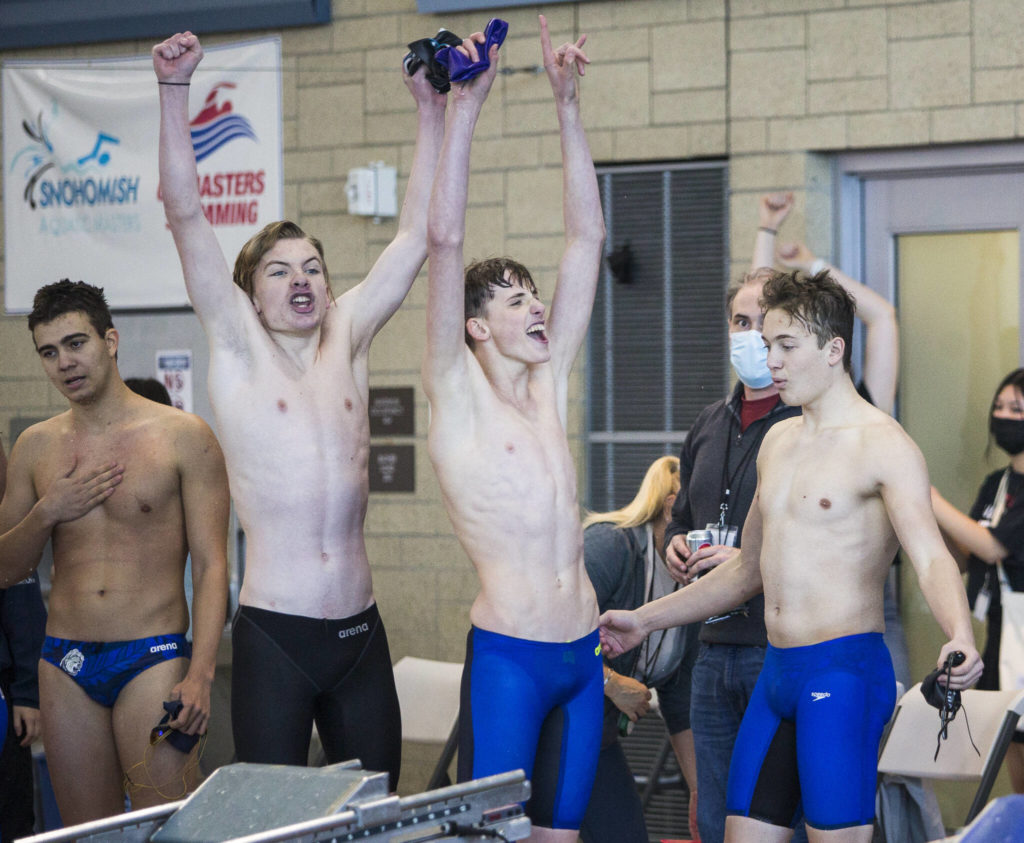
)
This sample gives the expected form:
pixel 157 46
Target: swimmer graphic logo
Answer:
pixel 72 662
pixel 817 696
pixel 59 177
pixel 217 124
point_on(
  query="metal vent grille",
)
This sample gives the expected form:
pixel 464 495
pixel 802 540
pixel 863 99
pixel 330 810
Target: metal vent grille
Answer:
pixel 657 343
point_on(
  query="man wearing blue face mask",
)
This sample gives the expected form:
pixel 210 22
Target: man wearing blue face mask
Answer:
pixel 718 476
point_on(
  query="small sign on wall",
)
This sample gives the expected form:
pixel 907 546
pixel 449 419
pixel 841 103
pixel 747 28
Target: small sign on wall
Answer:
pixel 392 411
pixel 174 371
pixel 392 468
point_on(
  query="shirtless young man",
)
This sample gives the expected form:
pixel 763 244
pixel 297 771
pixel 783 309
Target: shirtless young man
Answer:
pixel 496 374
pixel 289 384
pixel 126 488
pixel 839 487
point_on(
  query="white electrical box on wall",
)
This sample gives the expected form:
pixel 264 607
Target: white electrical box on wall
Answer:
pixel 372 191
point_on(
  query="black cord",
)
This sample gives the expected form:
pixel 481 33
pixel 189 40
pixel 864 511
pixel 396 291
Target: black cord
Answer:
pixel 951 704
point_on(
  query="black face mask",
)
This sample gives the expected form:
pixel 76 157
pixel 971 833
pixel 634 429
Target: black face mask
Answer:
pixel 1008 433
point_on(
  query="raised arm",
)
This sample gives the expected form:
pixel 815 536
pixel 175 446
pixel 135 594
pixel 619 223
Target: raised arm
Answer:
pixel 384 289
pixel 204 492
pixel 444 367
pixel 881 338
pixel 581 208
pixel 905 492
pixel 26 521
pixel 217 301
pixel 772 210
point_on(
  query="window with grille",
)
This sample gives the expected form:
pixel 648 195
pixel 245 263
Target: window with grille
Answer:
pixel 657 348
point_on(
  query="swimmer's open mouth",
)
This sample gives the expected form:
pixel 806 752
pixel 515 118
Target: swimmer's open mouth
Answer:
pixel 536 332
pixel 302 302
pixel 76 381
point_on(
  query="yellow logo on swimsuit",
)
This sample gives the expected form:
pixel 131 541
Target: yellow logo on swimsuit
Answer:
pixel 597 650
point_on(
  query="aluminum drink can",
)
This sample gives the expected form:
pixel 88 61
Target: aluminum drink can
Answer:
pixel 696 539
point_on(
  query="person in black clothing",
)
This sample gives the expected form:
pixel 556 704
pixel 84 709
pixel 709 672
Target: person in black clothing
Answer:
pixel 22 627
pixel 993 534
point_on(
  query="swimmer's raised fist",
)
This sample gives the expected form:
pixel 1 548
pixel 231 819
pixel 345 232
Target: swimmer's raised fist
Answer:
pixel 773 208
pixel 795 256
pixel 175 59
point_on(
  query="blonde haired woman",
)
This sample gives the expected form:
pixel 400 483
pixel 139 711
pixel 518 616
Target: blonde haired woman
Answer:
pixel 622 552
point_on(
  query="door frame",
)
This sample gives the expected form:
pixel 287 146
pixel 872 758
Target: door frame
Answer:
pixel 851 172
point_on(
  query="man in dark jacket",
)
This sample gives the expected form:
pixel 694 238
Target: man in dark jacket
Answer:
pixel 22 626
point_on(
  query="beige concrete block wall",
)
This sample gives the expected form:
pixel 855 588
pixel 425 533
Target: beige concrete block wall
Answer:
pixel 774 88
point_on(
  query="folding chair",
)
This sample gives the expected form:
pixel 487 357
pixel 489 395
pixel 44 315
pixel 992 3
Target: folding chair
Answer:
pixel 908 745
pixel 428 694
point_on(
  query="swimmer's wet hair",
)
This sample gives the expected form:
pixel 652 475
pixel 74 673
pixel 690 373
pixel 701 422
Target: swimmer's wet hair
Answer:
pixel 818 302
pixel 64 296
pixel 481 279
pixel 263 241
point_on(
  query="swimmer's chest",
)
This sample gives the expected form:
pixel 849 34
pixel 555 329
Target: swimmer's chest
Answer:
pixel 282 405
pixel 526 454
pixel 151 481
pixel 822 481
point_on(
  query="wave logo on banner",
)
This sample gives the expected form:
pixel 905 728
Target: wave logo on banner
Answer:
pixel 63 179
pixel 217 124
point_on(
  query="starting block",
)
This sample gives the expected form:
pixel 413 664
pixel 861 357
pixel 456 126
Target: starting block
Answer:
pixel 265 803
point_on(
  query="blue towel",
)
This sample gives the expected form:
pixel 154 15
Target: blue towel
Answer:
pixel 460 68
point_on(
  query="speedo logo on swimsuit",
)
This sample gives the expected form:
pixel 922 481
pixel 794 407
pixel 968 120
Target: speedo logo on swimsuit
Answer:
pixel 163 648
pixel 353 630
pixel 72 662
pixel 819 695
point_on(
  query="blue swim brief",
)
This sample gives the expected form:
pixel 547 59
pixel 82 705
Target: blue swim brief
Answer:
pixel 808 743
pixel 103 668
pixel 535 706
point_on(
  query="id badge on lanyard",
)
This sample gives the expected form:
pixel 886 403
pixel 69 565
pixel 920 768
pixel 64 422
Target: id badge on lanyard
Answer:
pixel 726 534
pixel 721 532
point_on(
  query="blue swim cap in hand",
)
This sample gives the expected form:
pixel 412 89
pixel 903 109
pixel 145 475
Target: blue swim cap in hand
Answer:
pixel 460 67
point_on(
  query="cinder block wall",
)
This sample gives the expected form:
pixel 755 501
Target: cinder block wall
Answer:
pixel 769 87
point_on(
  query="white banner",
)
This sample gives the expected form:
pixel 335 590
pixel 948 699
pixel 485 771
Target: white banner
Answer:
pixel 80 177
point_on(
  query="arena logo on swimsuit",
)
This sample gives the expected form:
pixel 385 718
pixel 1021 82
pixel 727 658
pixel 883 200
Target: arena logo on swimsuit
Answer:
pixel 353 630
pixel 163 648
